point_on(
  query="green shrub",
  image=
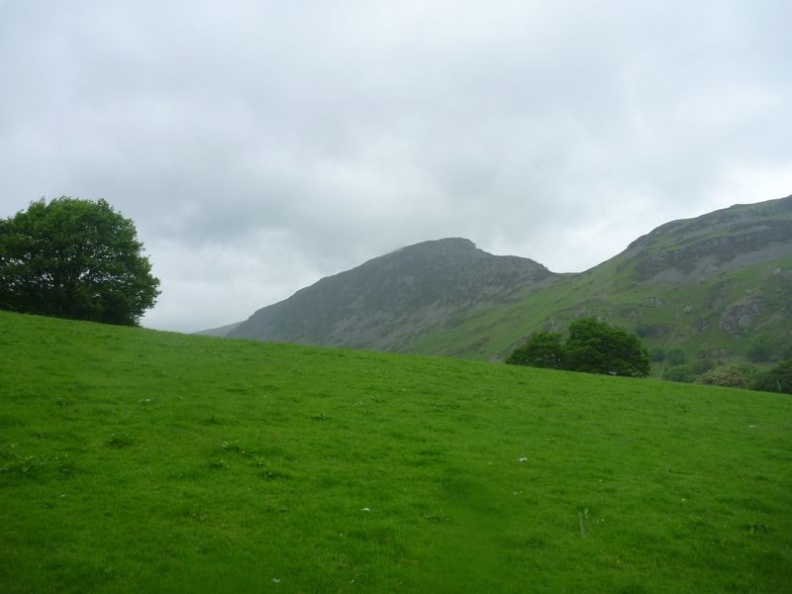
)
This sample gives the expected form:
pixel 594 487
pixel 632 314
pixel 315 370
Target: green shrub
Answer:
pixel 680 373
pixel 778 379
pixel 592 347
pixel 676 356
pixel 728 376
pixel 700 366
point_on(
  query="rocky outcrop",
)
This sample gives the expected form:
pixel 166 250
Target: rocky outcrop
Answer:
pixel 713 243
pixel 740 317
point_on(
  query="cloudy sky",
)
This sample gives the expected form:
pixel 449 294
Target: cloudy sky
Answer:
pixel 259 145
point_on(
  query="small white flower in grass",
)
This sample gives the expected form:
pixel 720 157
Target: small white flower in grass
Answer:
pixel 523 459
pixel 276 580
pixel 365 509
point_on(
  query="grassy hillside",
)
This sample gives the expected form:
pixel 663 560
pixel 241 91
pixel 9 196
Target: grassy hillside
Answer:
pixel 715 287
pixel 137 461
pixel 703 317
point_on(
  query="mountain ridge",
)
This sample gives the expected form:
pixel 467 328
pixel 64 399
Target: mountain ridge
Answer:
pixel 708 283
pixel 723 291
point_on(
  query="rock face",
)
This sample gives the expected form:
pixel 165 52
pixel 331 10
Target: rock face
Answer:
pixel 390 301
pixel 723 240
pixel 739 318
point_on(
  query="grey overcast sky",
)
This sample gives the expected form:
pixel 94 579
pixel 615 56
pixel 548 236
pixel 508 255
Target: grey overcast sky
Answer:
pixel 260 145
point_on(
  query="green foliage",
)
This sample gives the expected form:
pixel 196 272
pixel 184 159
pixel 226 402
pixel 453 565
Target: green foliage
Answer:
pixel 676 356
pixel 761 351
pixel 728 376
pixel 680 373
pixel 702 365
pixel 778 379
pixel 542 349
pixel 596 347
pixel 140 461
pixel 691 371
pixel 76 259
pixel 592 347
pixel 766 349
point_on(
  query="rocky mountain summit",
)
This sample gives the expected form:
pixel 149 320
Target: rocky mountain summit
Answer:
pixel 388 302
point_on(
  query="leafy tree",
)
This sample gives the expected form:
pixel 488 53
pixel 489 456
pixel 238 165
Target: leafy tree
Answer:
pixel 596 347
pixel 542 349
pixel 76 259
pixel 592 347
pixel 778 379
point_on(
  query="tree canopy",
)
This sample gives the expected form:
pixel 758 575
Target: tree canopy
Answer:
pixel 74 258
pixel 542 349
pixel 592 347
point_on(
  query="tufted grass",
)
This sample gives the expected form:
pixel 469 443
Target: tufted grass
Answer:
pixel 141 461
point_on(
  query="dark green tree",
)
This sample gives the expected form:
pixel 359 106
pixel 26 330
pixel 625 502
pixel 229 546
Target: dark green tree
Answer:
pixel 542 349
pixel 778 379
pixel 596 347
pixel 75 259
pixel 592 347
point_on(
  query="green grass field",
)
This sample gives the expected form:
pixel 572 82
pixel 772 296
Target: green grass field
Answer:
pixel 141 461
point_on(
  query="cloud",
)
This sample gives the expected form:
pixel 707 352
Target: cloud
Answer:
pixel 259 145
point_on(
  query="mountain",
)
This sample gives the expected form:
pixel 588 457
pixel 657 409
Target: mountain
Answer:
pixel 716 287
pixel 391 301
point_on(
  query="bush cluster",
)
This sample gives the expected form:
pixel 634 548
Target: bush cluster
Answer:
pixel 705 371
pixel 592 347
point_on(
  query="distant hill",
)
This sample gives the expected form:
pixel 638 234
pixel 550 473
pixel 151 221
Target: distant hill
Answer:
pixel 220 332
pixel 718 287
pixel 391 301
